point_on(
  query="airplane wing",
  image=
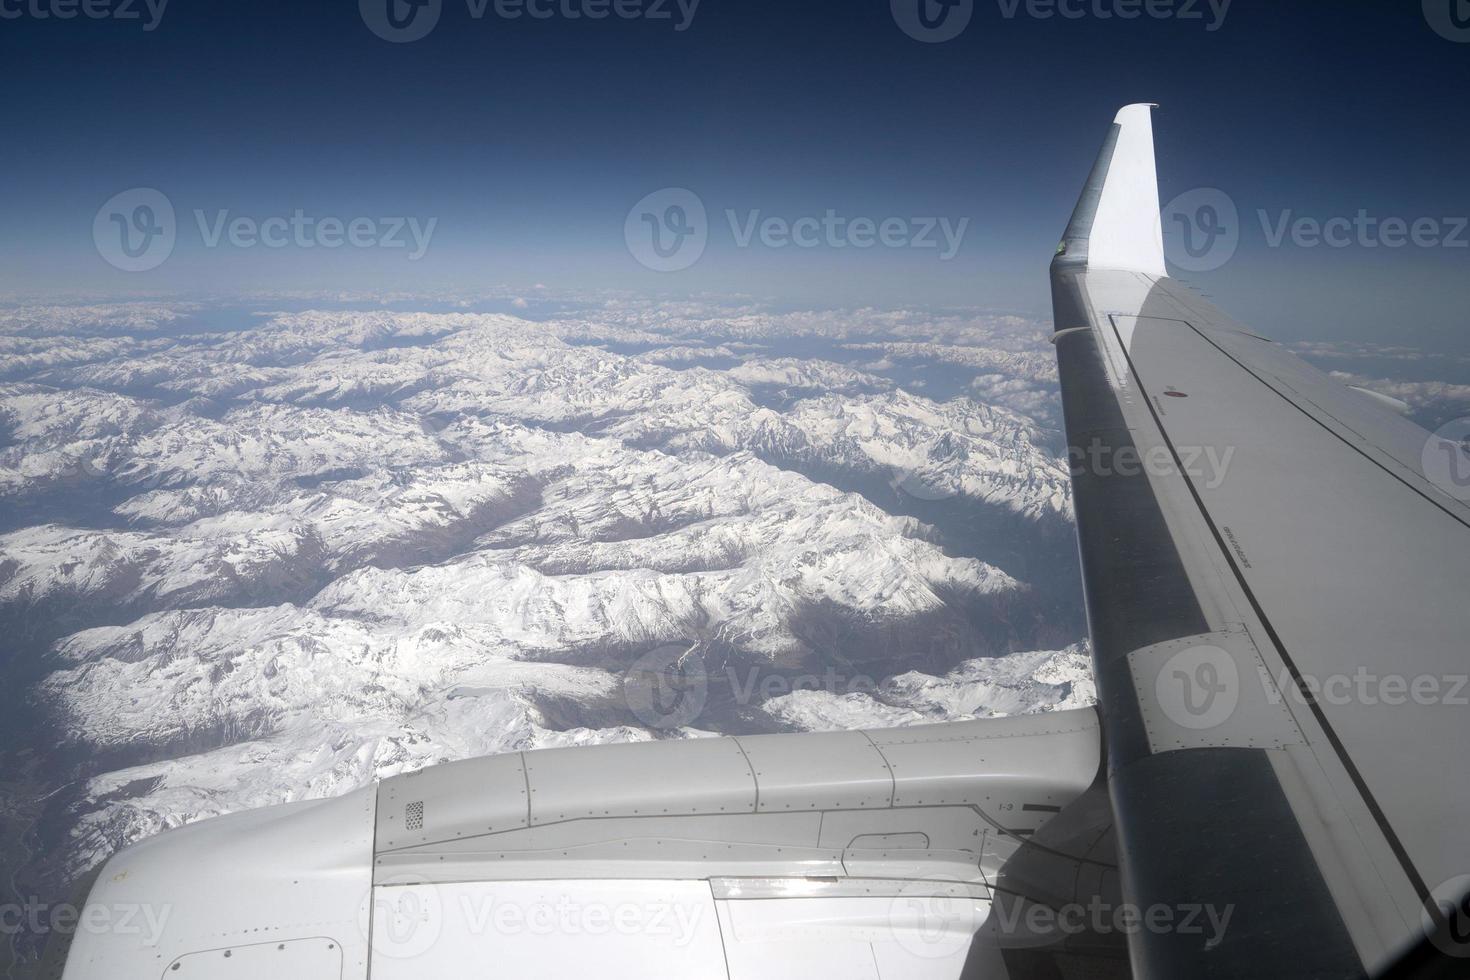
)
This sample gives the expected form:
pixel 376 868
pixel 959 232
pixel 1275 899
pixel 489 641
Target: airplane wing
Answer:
pixel 1272 786
pixel 1275 568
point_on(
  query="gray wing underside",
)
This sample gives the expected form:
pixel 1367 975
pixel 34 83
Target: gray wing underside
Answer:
pixel 1275 568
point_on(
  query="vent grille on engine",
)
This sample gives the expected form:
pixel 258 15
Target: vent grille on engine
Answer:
pixel 413 816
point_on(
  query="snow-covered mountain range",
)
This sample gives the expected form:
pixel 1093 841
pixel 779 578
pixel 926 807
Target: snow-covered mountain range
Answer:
pixel 245 566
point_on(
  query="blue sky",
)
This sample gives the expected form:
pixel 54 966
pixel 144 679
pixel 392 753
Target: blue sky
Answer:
pixel 527 141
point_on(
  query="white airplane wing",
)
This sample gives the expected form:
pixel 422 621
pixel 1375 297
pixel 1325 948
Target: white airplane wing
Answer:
pixel 1276 570
pixel 1275 580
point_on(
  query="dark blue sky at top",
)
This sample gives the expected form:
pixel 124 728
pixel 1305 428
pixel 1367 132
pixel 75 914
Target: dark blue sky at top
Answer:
pixel 530 140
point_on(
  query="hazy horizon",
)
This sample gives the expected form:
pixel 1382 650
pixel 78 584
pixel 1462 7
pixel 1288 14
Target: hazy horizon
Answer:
pixel 523 148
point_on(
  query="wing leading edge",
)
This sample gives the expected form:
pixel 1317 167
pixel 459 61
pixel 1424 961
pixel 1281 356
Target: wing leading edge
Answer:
pixel 1268 572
